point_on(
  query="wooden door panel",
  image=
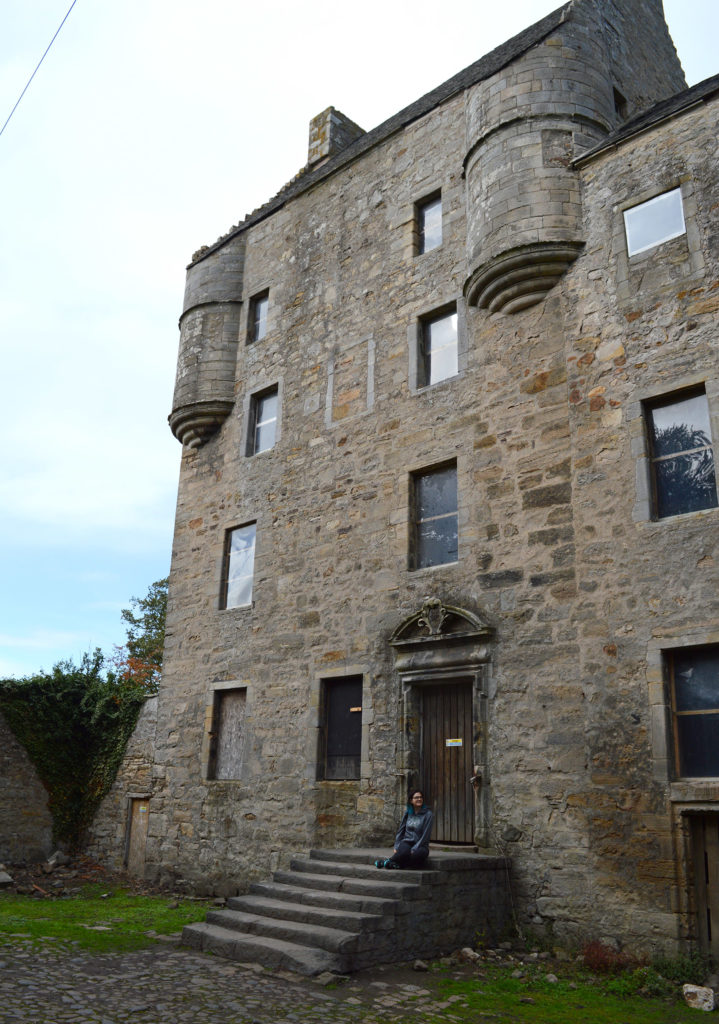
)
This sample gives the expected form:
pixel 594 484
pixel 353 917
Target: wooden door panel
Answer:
pixel 705 851
pixel 446 760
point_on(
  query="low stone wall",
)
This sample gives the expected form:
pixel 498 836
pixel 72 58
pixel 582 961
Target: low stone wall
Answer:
pixel 25 821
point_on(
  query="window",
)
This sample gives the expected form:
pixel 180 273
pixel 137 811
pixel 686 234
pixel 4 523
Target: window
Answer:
pixel 438 357
pixel 263 422
pixel 694 673
pixel 259 306
pixel 434 499
pixel 621 106
pixel 681 454
pixel 654 222
pixel 341 733
pixel 227 748
pixel 429 224
pixel 239 563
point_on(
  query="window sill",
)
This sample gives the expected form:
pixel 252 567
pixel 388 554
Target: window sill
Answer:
pixel 682 517
pixel 433 568
pixel 699 790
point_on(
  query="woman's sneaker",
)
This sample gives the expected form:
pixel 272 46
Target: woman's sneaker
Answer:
pixel 382 863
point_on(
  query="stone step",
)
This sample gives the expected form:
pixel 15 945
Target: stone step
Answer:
pixel 334 940
pixel 270 952
pixel 358 886
pixel 347 920
pixel 350 869
pixel 375 905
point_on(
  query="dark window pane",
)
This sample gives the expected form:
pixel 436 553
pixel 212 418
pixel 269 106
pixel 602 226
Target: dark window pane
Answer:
pixel 436 493
pixel 437 542
pixel 682 456
pixel 698 745
pixel 343 708
pixel 430 225
pixel 696 680
pixel 685 484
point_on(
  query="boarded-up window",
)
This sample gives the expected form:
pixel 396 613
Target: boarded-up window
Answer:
pixel 341 733
pixel 228 734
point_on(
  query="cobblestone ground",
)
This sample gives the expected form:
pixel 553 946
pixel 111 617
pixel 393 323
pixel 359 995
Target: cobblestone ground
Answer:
pixel 178 986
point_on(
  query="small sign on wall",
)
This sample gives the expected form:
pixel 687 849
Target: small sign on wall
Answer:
pixel 453 743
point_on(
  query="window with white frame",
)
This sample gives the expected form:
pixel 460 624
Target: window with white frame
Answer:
pixel 238 566
pixel 655 221
pixel 438 356
pixel 681 454
pixel 263 421
pixel 428 215
pixel 257 323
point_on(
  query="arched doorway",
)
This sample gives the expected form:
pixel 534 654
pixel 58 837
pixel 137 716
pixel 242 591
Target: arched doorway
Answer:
pixel 442 658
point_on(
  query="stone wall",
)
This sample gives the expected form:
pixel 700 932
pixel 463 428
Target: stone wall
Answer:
pixel 108 833
pixel 25 821
pixel 580 590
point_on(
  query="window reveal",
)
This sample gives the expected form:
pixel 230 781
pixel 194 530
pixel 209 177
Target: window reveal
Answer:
pixel 658 220
pixel 435 537
pixel 264 421
pixel 259 306
pixel 342 728
pixel 239 563
pixel 429 224
pixel 695 709
pixel 439 348
pixel 682 456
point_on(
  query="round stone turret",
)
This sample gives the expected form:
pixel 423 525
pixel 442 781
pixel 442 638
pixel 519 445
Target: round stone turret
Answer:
pixel 527 122
pixel 209 332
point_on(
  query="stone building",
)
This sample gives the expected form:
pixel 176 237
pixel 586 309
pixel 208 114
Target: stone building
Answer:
pixel 447 509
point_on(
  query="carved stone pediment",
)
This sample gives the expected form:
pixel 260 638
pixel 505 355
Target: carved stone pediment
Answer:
pixel 436 621
pixel 440 638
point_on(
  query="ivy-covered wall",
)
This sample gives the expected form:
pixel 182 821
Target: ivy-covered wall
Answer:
pixel 25 821
pixel 108 831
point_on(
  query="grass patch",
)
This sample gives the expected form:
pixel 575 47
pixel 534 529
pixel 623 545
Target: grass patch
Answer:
pixel 497 996
pixel 95 919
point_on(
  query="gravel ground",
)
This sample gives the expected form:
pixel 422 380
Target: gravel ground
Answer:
pixel 180 986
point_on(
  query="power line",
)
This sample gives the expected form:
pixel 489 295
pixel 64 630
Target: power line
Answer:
pixel 38 67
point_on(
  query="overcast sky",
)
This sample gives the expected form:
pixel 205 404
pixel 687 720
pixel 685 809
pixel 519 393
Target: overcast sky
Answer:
pixel 150 129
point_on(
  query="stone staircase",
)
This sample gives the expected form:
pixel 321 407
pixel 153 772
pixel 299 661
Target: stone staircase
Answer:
pixel 334 911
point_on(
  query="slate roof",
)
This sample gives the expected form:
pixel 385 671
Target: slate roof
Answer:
pixel 662 111
pixel 483 68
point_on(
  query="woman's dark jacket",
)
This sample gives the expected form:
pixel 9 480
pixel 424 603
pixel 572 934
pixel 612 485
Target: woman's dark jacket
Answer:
pixel 415 828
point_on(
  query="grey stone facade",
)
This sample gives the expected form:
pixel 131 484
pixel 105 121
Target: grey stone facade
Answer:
pixel 567 593
pixel 25 821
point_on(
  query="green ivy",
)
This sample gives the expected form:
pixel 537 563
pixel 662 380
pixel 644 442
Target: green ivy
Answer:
pixel 74 723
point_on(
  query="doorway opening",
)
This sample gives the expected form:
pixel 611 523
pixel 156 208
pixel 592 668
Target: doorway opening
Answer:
pixel 704 832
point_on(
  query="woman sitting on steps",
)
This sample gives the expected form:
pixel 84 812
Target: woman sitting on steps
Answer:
pixel 411 845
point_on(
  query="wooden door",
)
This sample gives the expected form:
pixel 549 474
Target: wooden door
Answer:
pixel 446 760
pixel 705 853
pixel 139 812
